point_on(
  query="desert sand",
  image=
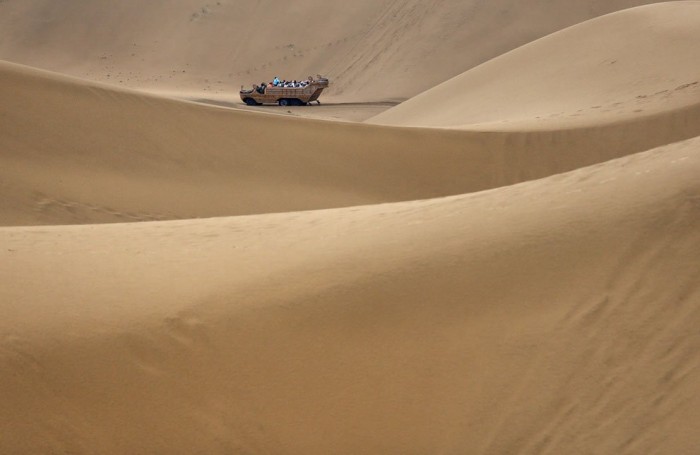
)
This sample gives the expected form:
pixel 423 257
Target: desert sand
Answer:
pixel 373 50
pixel 506 262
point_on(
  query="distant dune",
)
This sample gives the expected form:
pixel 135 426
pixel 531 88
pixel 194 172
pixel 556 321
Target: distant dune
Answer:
pixel 371 49
pixel 620 67
pixel 504 263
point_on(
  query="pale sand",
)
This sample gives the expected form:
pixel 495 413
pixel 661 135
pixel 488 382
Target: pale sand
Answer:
pixel 373 50
pixel 493 284
pixel 555 316
pixel 104 154
pixel 620 67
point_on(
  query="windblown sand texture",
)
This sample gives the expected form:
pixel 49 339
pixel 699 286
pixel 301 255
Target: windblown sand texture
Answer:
pixel 371 49
pixel 507 262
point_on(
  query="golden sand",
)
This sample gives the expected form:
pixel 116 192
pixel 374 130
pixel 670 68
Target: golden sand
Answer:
pixel 505 263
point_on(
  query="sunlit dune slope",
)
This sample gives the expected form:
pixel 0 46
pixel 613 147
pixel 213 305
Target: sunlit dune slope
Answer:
pixel 507 263
pixel 74 152
pixel 371 49
pixel 635 63
pixel 555 316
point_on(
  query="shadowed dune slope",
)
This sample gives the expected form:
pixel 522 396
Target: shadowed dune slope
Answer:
pixel 507 263
pixel 73 152
pixel 555 316
pixel 634 63
pixel 371 49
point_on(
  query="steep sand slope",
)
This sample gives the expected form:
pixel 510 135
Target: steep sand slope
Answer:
pixel 556 316
pixel 372 49
pixel 76 152
pixel 634 63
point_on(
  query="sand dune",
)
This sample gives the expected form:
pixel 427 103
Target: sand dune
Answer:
pixel 555 316
pixel 76 152
pixel 371 49
pixel 456 275
pixel 620 67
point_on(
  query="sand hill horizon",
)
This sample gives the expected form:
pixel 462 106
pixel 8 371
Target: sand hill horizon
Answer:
pixel 371 49
pixel 506 262
pixel 621 66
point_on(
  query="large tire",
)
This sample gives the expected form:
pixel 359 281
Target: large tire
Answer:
pixel 250 102
pixel 283 102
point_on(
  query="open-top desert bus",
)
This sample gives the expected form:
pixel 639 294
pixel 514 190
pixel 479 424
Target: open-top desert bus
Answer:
pixel 285 96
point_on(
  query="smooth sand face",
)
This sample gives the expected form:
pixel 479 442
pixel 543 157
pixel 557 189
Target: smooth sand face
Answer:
pixel 109 155
pixel 479 282
pixel 548 314
pixel 373 50
pixel 586 74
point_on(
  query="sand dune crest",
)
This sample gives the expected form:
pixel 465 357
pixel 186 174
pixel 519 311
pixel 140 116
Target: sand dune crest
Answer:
pixel 620 67
pixel 549 299
pixel 455 276
pixel 101 154
pixel 371 49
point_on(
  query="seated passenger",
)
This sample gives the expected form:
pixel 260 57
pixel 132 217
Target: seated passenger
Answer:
pixel 276 81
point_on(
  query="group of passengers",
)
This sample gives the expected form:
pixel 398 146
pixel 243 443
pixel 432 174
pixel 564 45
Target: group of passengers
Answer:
pixel 276 82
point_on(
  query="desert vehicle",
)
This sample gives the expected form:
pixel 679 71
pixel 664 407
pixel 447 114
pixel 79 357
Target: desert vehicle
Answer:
pixel 285 96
